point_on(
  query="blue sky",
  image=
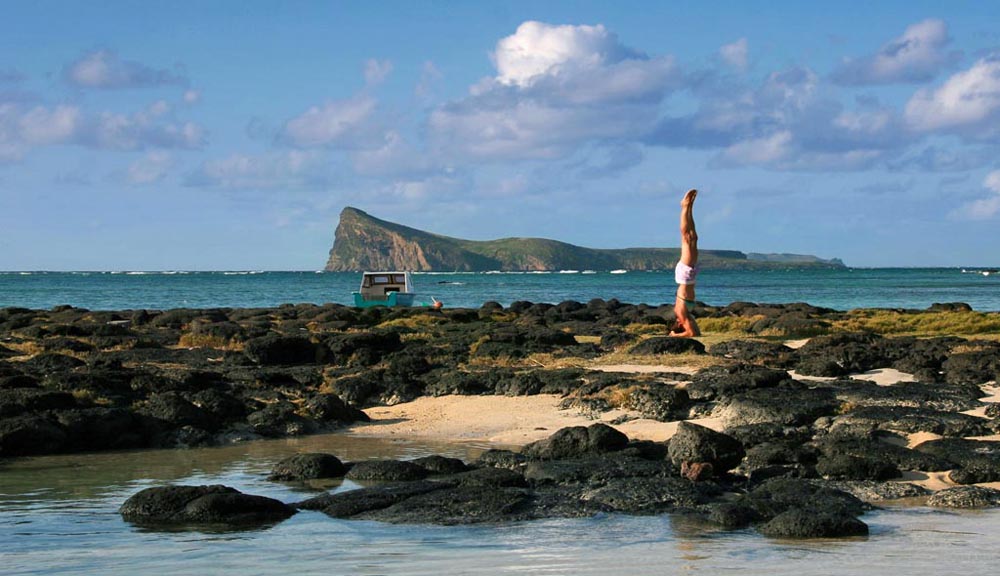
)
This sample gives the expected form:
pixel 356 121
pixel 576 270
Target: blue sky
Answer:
pixel 230 135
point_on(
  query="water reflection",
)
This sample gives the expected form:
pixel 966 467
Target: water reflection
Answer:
pixel 58 514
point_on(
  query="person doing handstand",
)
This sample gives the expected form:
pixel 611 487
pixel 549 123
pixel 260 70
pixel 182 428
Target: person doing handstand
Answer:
pixel 686 271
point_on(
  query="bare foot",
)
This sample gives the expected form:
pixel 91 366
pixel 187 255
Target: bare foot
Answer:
pixel 688 199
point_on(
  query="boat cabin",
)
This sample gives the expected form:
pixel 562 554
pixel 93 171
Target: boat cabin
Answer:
pixel 376 286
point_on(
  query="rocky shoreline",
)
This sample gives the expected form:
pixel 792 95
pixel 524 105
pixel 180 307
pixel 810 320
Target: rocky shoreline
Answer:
pixel 804 449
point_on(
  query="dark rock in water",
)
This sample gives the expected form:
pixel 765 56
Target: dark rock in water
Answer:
pixel 802 523
pixel 458 505
pixel 275 350
pixel 871 492
pixel 176 411
pixel 279 419
pixel 497 477
pixel 386 471
pixel 780 495
pixel 172 505
pixel 721 381
pixel 498 458
pixel 788 405
pixel 352 502
pixel 102 428
pixel 595 468
pixel 647 495
pixel 965 497
pixel 668 345
pixel 220 406
pixel 757 352
pixel 576 441
pixel 848 467
pixel 660 402
pixel 441 465
pixel 908 420
pixel 693 444
pixel 977 460
pixel 307 467
pixel 330 408
pixel 30 434
pixel 7 352
pixel 795 459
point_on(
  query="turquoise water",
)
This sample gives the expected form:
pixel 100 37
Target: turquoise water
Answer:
pixel 58 516
pixel 839 289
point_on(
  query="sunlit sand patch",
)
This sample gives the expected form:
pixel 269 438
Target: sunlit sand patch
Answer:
pixel 885 376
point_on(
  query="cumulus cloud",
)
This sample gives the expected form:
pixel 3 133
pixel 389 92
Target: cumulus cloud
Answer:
pixel 736 55
pixel 23 128
pixel 103 69
pixel 916 56
pixel 556 88
pixel 336 124
pixel 149 169
pixel 983 208
pixel 968 103
pixel 788 122
pixel 395 157
pixel 192 96
pixel 537 49
pixel 276 170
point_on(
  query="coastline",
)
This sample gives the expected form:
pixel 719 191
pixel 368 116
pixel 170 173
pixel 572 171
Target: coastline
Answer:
pixel 575 397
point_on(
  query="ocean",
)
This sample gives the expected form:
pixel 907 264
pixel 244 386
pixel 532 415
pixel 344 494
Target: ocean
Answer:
pixel 841 289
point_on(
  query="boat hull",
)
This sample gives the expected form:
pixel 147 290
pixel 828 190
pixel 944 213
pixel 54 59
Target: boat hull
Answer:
pixel 392 300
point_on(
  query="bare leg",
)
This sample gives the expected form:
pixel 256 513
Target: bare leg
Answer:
pixel 689 236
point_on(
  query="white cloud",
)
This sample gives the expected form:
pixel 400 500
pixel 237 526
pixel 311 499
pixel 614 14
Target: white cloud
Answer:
pixel 764 150
pixel 103 69
pixel 983 208
pixel 341 123
pixel 538 49
pixel 557 88
pixel 41 125
pixel 192 96
pixel 736 54
pixel 150 168
pixel 277 170
pixel 376 71
pixel 916 56
pixel 968 103
pixel 429 75
pixel 24 128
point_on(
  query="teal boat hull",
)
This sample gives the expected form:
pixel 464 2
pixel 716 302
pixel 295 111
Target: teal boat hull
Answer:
pixel 392 300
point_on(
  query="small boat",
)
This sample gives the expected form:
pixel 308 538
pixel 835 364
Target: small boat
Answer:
pixel 388 289
pixel 619 271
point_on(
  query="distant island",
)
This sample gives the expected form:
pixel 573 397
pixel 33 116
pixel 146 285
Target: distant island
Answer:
pixel 363 242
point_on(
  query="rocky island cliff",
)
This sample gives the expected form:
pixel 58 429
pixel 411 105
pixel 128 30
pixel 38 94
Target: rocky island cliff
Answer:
pixel 363 242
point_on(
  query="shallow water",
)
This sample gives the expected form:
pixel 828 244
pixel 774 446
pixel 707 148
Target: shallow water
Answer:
pixel 58 514
pixel 842 289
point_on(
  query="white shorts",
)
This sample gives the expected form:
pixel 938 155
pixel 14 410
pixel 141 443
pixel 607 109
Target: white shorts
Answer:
pixel 685 275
